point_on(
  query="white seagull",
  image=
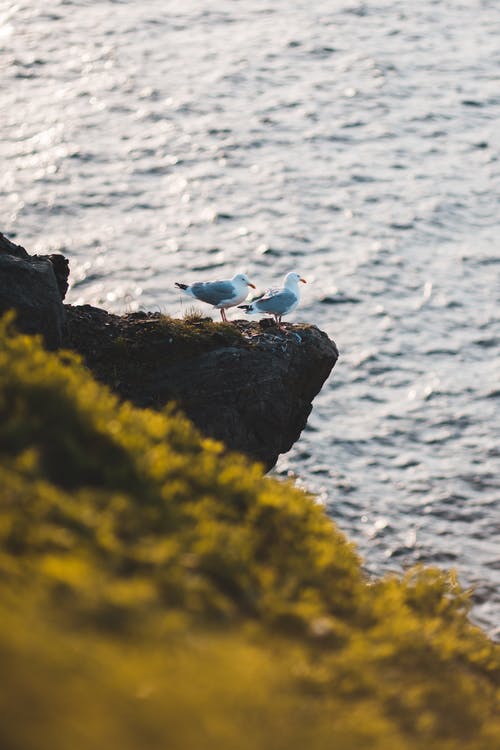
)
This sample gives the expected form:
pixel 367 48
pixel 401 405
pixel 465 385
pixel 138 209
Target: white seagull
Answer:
pixel 220 294
pixel 278 302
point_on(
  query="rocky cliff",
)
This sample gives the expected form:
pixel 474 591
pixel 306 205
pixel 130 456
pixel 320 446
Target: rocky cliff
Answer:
pixel 247 384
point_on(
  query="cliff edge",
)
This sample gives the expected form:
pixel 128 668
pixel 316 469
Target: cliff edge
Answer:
pixel 249 385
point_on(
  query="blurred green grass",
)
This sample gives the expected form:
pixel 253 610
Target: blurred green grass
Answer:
pixel 158 592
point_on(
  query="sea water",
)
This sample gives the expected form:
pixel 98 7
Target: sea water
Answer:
pixel 355 142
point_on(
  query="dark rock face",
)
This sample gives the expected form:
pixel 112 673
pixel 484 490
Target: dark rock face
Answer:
pixel 246 384
pixel 60 266
pixel 255 400
pixel 29 287
pixel 7 247
pixel 59 263
pixel 34 286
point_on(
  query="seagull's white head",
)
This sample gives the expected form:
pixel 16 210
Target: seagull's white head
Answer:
pixel 293 278
pixel 242 278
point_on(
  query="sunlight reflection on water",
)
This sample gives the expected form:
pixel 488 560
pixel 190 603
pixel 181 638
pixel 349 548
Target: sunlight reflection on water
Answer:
pixel 153 141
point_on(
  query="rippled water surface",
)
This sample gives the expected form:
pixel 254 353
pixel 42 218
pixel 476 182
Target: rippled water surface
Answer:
pixel 358 143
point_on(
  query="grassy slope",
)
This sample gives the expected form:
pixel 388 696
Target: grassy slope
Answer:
pixel 155 593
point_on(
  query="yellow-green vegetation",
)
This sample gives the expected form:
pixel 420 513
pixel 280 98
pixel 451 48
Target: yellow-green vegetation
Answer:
pixel 157 593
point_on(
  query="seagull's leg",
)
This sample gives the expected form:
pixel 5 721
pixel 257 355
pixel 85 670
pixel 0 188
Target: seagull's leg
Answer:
pixel 223 314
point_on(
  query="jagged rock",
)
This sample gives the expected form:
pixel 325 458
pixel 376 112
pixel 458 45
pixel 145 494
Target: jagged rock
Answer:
pixel 59 263
pixel 7 247
pixel 60 266
pixel 29 287
pixel 246 384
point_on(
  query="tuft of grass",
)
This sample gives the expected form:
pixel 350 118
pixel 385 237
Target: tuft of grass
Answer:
pixel 156 592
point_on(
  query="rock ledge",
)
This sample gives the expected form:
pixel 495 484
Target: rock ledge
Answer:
pixel 250 385
pixel 247 384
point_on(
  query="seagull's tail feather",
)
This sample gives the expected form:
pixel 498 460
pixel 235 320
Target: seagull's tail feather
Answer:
pixel 181 286
pixel 246 308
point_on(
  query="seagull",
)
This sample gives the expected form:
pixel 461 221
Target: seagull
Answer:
pixel 220 294
pixel 278 302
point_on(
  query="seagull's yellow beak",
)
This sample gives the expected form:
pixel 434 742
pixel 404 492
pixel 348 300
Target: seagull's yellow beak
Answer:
pixel 303 281
pixel 252 285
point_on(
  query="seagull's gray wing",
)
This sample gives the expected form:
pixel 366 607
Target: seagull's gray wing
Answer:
pixel 268 293
pixel 213 292
pixel 276 301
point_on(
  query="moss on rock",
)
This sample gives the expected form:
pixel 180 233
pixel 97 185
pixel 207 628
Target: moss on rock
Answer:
pixel 157 592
